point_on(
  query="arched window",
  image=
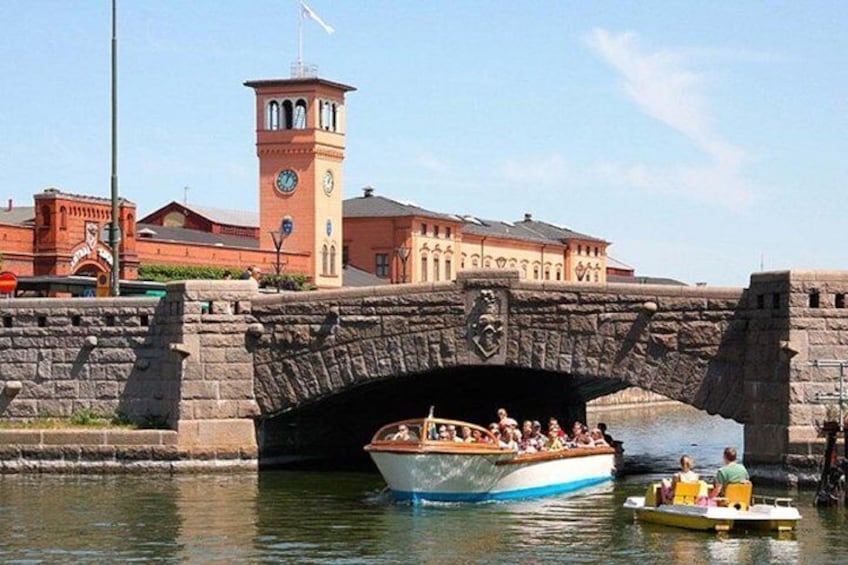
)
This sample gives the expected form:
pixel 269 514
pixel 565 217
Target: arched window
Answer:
pixel 130 225
pixel 332 259
pixel 45 216
pixel 300 114
pixel 63 218
pixel 437 275
pixel 287 114
pixel 274 115
pixel 335 118
pixel 423 268
pixel 325 260
pixel 326 115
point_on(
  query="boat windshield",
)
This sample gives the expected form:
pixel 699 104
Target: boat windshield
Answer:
pixel 434 430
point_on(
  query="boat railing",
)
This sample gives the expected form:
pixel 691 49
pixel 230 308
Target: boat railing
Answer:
pixel 773 500
pixel 425 431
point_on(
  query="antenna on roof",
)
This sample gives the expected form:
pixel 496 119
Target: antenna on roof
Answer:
pixel 185 195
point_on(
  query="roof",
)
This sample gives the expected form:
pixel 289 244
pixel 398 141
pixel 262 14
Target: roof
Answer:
pixel 18 215
pixel 559 233
pixel 495 228
pixel 262 83
pixel 613 263
pixel 185 235
pixel 382 207
pixel 353 277
pixel 644 280
pixel 240 218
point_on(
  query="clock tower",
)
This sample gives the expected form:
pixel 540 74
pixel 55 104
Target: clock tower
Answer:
pixel 300 142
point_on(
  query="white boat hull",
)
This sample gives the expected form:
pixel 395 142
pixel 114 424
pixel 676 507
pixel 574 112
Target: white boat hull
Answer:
pixel 454 477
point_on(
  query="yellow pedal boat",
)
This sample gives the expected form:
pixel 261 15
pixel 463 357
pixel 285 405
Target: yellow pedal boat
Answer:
pixel 738 509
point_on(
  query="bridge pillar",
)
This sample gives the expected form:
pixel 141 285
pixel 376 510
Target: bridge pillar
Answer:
pixel 795 318
pixel 208 326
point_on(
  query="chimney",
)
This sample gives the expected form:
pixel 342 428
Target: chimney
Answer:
pixel 528 217
pixel 9 209
pixel 368 191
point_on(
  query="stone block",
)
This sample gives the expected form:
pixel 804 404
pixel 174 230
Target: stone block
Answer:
pixel 196 434
pixel 74 437
pixel 20 437
pixel 205 390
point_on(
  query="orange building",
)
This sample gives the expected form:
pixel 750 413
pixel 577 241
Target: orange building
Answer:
pixel 402 242
pixel 300 145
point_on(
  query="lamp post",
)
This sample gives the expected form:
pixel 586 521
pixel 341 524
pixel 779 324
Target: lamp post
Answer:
pixel 402 253
pixel 501 261
pixel 279 236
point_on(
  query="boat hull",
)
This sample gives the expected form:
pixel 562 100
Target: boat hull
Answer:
pixel 461 477
pixel 759 517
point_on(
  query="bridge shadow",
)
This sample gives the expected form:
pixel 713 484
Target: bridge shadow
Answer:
pixel 331 433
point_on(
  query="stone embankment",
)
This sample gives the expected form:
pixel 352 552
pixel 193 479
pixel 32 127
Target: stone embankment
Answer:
pixel 633 397
pixel 113 451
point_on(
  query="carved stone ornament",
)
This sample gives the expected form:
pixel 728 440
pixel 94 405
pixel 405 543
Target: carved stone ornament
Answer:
pixel 485 324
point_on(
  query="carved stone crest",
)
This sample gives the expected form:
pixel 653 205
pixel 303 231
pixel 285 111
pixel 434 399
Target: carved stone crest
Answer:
pixel 485 325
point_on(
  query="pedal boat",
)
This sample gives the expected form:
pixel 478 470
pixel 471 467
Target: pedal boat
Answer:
pixel 737 510
pixel 420 468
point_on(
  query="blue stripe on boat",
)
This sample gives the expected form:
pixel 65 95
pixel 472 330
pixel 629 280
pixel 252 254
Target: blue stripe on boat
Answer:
pixel 533 492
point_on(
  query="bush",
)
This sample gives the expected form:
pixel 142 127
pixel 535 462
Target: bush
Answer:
pixel 167 273
pixel 85 417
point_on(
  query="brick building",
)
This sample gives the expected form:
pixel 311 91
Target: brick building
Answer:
pixel 300 145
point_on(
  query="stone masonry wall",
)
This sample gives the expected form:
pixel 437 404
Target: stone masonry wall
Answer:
pixel 60 356
pixel 684 343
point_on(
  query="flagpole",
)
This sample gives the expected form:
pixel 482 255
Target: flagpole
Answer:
pixel 299 40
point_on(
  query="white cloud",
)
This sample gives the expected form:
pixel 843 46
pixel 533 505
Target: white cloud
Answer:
pixel 665 86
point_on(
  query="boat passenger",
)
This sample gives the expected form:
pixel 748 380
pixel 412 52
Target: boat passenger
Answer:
pixel 452 434
pixel 684 475
pixel 554 423
pixel 597 438
pixel 529 442
pixel 607 437
pixel 443 432
pixel 466 435
pixel 504 420
pixel 478 437
pixel 507 440
pixel 538 436
pixel 554 441
pixel 403 434
pixel 732 472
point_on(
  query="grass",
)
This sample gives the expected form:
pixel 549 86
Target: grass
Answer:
pixel 83 419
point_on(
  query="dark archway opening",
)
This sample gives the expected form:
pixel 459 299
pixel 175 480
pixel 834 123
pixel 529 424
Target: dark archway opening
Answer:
pixel 331 432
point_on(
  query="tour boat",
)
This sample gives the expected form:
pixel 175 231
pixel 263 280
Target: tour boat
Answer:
pixel 417 466
pixel 737 510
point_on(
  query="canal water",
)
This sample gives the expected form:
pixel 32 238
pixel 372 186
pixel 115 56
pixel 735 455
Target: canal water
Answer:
pixel 302 517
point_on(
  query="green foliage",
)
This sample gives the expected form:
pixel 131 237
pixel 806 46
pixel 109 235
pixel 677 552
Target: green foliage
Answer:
pixel 166 273
pixel 120 419
pixel 86 417
pixel 294 281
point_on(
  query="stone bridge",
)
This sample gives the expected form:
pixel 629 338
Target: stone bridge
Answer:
pixel 300 373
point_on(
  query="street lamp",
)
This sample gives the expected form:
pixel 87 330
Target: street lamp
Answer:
pixel 278 236
pixel 403 254
pixel 501 261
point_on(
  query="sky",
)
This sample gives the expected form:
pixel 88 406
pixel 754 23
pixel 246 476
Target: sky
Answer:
pixel 705 140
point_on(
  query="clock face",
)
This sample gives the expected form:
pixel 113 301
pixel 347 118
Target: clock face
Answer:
pixel 328 182
pixel 286 181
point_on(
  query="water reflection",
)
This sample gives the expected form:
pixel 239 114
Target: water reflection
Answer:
pixel 297 517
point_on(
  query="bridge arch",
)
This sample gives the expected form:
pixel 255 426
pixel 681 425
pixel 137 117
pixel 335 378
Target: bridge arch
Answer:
pixel 687 344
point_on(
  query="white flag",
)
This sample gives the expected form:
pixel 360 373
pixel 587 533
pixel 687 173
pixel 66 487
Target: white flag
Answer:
pixel 307 12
